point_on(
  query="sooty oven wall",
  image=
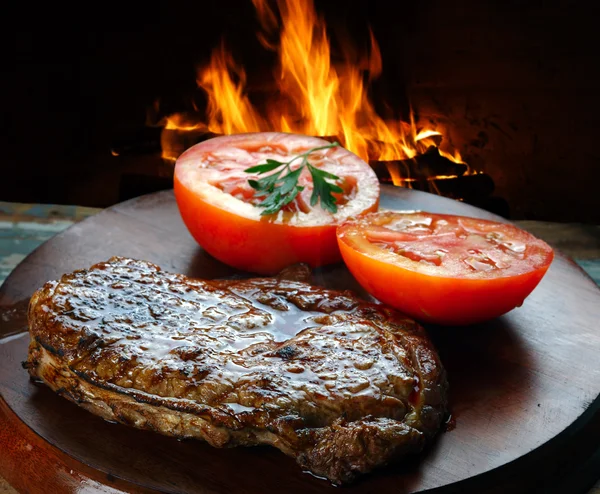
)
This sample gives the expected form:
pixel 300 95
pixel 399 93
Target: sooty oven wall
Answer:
pixel 514 84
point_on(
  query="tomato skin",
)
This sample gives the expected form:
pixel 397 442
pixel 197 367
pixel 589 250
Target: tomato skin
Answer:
pixel 260 246
pixel 438 299
pixel 251 242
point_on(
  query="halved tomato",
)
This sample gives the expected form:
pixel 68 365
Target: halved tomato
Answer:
pixel 218 205
pixel 441 268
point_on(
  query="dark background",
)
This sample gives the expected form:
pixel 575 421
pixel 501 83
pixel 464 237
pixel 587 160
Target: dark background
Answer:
pixel 516 84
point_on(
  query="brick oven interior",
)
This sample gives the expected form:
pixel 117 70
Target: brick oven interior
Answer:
pixel 514 83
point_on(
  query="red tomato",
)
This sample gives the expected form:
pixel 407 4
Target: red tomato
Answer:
pixel 441 268
pixel 219 208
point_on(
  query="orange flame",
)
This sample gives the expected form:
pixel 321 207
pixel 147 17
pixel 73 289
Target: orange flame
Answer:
pixel 229 109
pixel 317 97
pixel 180 131
pixel 313 84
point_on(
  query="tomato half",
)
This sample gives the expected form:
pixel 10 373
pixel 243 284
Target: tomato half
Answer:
pixel 443 269
pixel 219 208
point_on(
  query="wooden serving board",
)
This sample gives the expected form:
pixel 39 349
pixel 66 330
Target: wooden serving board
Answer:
pixel 524 388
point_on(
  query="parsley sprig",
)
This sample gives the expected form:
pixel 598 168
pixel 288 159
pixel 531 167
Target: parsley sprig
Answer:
pixel 281 187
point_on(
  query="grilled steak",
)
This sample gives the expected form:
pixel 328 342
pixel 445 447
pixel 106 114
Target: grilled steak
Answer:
pixel 341 385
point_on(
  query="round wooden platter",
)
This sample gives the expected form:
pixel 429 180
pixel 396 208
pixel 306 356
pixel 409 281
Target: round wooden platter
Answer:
pixel 524 388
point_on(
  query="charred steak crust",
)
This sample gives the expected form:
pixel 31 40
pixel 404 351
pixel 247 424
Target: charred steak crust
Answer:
pixel 342 385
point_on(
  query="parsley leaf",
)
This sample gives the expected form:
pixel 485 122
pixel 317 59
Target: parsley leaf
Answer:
pixel 266 167
pixel 323 189
pixel 281 187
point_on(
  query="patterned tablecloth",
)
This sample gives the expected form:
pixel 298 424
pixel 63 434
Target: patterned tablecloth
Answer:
pixel 23 227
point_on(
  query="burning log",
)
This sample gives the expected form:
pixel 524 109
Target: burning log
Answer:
pixel 150 140
pixel 422 167
pixel 432 172
pixel 466 186
pixel 463 187
pixel 476 189
pixel 175 141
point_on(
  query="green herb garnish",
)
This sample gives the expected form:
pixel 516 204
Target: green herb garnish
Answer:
pixel 281 187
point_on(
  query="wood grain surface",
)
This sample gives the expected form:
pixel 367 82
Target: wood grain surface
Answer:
pixel 524 388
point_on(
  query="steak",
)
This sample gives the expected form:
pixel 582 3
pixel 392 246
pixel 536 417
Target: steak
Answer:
pixel 339 384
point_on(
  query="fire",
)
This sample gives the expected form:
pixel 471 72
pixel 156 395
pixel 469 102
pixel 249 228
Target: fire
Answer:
pixel 315 96
pixel 229 109
pixel 180 132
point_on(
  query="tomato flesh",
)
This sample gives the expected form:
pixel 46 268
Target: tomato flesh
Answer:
pixel 443 269
pixel 219 207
